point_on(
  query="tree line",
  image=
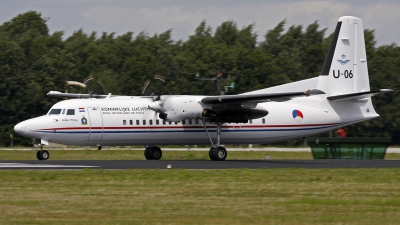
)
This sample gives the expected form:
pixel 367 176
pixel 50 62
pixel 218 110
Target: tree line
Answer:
pixel 33 62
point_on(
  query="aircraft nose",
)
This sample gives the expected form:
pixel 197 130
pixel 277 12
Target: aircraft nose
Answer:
pixel 20 128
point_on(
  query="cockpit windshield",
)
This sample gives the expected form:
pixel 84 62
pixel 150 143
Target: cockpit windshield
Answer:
pixel 55 112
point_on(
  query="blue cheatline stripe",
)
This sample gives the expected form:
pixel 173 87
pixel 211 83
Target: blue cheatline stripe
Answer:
pixel 186 131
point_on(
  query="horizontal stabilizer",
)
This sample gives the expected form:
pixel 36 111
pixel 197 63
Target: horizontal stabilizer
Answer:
pixel 248 98
pixel 359 95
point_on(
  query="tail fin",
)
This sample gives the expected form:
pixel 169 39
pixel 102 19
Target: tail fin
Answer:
pixel 345 68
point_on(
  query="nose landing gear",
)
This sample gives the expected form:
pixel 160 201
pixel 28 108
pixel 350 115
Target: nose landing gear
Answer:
pixel 42 154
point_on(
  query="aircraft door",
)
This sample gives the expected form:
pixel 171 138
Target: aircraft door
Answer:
pixel 96 124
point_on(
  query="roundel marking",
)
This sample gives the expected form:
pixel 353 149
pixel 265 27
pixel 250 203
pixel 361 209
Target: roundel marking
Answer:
pixel 297 115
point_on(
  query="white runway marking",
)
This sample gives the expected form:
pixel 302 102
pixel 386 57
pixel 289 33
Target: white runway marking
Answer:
pixel 25 165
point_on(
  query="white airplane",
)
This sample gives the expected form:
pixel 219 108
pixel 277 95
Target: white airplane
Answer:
pixel 340 96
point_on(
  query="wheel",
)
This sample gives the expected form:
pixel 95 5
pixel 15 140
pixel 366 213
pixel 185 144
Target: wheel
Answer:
pixel 153 152
pixel 38 155
pixel 45 155
pixel 147 153
pixel 156 153
pixel 220 154
pixel 42 155
pixel 211 154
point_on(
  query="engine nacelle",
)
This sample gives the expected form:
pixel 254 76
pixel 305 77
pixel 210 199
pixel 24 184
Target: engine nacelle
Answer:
pixel 178 108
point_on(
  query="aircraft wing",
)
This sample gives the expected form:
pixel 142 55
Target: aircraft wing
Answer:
pixel 74 95
pixel 255 98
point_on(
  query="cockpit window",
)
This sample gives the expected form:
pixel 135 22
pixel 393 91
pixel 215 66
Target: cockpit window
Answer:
pixel 71 112
pixel 55 112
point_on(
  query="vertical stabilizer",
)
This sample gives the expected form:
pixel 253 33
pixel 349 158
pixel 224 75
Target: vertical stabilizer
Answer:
pixel 345 68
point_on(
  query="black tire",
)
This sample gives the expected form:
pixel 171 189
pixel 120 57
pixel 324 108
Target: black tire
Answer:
pixel 220 154
pixel 153 153
pixel 39 155
pixel 211 154
pixel 147 153
pixel 156 153
pixel 43 155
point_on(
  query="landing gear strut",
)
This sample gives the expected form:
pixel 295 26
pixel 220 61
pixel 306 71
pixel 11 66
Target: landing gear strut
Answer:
pixel 217 152
pixel 42 154
pixel 153 153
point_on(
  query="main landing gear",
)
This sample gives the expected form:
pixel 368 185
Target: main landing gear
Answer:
pixel 42 154
pixel 217 152
pixel 153 153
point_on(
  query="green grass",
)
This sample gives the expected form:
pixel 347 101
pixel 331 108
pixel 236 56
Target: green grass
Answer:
pixel 177 196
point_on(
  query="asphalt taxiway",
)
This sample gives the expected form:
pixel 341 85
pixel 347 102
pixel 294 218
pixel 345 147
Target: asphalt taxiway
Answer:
pixel 195 164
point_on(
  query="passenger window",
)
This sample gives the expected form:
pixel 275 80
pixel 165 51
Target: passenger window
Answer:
pixel 151 122
pixel 63 112
pixel 176 123
pixel 163 122
pixel 131 122
pixel 183 122
pixel 124 122
pixel 170 123
pixel 250 121
pixel 137 122
pixel 197 121
pixel 190 121
pixel 157 122
pixel 70 111
pixel 144 122
pixel 55 112
pixel 263 121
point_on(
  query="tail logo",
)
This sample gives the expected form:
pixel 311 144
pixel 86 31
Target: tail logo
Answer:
pixel 342 61
pixel 297 115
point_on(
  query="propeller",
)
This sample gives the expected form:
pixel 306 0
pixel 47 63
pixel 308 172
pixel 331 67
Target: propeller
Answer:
pixel 73 83
pixel 154 89
pixel 89 84
pixel 160 105
pixel 153 86
pixel 94 85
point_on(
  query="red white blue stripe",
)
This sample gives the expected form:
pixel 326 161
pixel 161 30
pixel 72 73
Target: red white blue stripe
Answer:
pixel 190 128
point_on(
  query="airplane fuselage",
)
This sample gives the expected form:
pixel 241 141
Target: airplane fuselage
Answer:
pixel 128 121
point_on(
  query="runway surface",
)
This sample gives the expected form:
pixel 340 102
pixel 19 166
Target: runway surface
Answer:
pixel 192 164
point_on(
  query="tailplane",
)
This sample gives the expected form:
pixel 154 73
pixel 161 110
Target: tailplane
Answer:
pixel 344 76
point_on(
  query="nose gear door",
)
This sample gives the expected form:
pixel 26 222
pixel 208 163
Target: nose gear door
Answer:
pixel 96 124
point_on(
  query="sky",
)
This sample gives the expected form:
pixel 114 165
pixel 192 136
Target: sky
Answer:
pixel 183 16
